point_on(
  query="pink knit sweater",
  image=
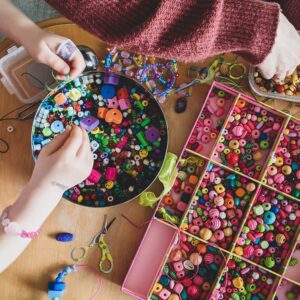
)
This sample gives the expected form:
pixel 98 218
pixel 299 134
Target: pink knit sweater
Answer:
pixel 188 30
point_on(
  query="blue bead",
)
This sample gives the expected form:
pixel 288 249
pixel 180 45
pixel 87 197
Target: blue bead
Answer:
pixel 269 217
pixel 164 280
pixel 107 91
pixel 57 126
pixel 55 294
pixel 64 237
pixel 56 286
pixel 275 210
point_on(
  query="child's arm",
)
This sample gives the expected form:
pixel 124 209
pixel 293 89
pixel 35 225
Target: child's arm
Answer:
pixel 40 44
pixel 63 163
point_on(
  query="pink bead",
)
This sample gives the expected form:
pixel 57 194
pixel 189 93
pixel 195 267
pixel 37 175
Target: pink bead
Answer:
pixel 164 294
pixel 124 104
pixel 94 176
pixel 193 291
pixel 238 130
pixel 252 224
pixel 13 228
pixel 113 103
pixel 279 178
pixel 111 173
pixel 248 251
pixel 178 288
pixel 178 266
pixel 213 213
pixel 219 235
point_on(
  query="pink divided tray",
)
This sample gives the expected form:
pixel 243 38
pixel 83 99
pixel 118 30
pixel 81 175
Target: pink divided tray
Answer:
pixel 235 203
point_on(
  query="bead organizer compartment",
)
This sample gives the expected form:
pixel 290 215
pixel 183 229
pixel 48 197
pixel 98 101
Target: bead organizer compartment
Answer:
pixel 210 121
pixel 271 229
pixel 232 210
pixel 127 131
pixel 190 271
pixel 248 138
pixel 284 171
pixel 175 203
pixel 218 206
pixel 292 271
pixel 245 281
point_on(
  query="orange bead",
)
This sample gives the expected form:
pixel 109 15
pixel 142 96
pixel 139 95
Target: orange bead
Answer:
pixel 240 192
pixel 168 200
pixel 60 99
pixel 229 202
pixel 193 179
pixel 201 248
pixel 102 112
pixel 114 116
pixel 241 103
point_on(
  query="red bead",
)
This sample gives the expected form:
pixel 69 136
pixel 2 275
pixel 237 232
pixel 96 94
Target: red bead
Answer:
pixel 232 158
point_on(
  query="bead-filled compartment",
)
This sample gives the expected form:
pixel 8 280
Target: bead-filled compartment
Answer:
pixel 283 173
pixel 270 230
pixel 190 271
pixel 173 205
pixel 127 131
pixel 245 281
pixel 248 138
pixel 292 269
pixel 219 205
pixel 209 124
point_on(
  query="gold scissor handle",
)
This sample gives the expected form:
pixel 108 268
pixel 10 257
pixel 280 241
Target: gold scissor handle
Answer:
pixel 106 257
pixel 79 253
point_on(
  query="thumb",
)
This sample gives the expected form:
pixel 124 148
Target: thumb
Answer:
pixel 56 143
pixel 55 62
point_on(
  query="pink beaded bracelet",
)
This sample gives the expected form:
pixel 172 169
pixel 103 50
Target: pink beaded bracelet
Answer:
pixel 14 228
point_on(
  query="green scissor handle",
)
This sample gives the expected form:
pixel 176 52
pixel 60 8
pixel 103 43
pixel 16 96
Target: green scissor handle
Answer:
pixel 106 257
pixel 79 253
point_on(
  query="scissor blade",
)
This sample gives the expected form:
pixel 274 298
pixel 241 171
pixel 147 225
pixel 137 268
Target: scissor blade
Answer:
pixel 110 223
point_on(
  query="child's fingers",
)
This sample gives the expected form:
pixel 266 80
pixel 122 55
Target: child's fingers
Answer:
pixel 77 65
pixel 73 143
pixel 85 147
pixel 55 62
pixel 56 143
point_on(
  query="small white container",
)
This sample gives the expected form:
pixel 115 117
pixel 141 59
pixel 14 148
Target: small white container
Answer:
pixel 12 68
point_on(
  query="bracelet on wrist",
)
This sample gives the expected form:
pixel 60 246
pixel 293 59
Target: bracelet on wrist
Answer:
pixel 13 228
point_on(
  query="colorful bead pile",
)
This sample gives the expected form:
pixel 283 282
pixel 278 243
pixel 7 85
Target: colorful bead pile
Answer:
pixel 248 138
pixel 208 126
pixel 127 131
pixel 190 271
pixel 218 206
pixel 284 171
pixel 243 282
pixel 159 78
pixel 176 201
pixel 290 86
pixel 269 230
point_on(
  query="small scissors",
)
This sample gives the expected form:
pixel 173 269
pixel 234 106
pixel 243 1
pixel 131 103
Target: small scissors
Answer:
pixel 79 253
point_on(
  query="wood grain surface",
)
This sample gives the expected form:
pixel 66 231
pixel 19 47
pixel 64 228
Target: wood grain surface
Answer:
pixel 27 278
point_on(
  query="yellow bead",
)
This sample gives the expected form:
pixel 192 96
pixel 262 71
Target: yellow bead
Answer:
pixel 157 288
pixel 95 131
pixel 279 161
pixel 238 282
pixel 219 188
pixel 286 170
pixel 280 238
pixel 143 153
pixel 239 251
pixel 136 96
pixel 234 144
pixel 80 198
pixel 174 297
pixel 257 155
pixel 227 232
pixel 74 94
pixel 109 184
pixel 205 234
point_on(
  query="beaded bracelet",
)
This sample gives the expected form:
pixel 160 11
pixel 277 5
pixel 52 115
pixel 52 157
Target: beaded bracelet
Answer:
pixel 14 228
pixel 57 287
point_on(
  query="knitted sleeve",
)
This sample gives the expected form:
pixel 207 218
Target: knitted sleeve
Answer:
pixel 187 30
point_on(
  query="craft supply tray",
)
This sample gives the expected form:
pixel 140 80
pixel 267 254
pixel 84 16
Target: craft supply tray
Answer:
pixel 230 223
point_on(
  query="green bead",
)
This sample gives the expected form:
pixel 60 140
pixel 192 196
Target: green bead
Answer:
pixel 154 297
pixel 235 296
pixel 269 262
pixel 246 229
pixel 243 265
pixel 264 145
pixel 280 197
pixel 250 287
pixel 266 206
pixel 296 193
pixel 258 210
pixel 291 295
pixel 264 245
pixel 47 132
pixel 184 295
pixel 261 228
pixel 293 262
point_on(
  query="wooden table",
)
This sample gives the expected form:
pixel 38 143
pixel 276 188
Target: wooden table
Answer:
pixel 27 278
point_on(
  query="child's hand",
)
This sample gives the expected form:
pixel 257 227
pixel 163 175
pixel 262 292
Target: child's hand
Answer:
pixel 285 54
pixel 65 161
pixel 42 46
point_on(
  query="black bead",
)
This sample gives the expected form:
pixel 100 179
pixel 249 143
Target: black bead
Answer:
pixel 181 104
pixel 90 58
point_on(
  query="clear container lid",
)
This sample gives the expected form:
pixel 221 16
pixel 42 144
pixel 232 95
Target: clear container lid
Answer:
pixel 23 77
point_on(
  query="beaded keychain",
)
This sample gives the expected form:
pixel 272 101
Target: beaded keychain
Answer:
pixel 57 287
